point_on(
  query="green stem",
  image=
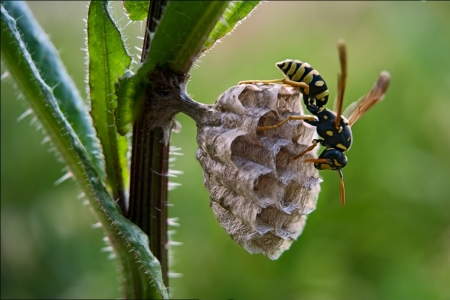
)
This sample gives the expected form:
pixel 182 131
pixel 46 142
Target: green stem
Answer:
pixel 149 168
pixel 148 192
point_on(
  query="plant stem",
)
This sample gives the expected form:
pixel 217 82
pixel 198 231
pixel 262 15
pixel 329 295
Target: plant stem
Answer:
pixel 148 192
pixel 149 168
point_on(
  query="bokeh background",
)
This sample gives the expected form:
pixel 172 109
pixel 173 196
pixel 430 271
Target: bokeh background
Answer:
pixel 390 241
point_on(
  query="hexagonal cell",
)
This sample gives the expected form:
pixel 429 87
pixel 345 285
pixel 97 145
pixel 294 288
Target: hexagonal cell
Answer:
pixel 243 147
pixel 267 188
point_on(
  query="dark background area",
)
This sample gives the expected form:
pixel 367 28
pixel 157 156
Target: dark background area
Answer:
pixel 390 241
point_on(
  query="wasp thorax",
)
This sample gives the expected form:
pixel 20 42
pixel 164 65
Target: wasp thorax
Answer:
pixel 259 194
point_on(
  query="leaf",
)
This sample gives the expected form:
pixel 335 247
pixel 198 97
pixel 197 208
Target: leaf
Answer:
pixel 136 10
pixel 108 59
pixel 233 15
pixel 127 106
pixel 177 42
pixel 55 75
pixel 121 233
pixel 183 29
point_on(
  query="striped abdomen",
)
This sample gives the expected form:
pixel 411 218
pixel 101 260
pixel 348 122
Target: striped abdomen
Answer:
pixel 299 71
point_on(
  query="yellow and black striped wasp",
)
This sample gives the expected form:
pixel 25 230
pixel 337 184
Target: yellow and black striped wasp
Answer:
pixel 334 128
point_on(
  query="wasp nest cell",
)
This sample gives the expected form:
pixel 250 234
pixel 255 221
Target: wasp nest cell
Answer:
pixel 259 194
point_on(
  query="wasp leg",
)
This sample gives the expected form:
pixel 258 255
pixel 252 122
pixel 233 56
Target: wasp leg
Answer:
pixel 315 142
pixel 282 80
pixel 303 85
pixel 261 81
pixel 308 118
pixel 317 160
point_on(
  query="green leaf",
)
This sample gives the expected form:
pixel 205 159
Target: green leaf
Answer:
pixel 235 12
pixel 181 33
pixel 177 42
pixel 51 68
pixel 127 106
pixel 122 234
pixel 136 10
pixel 108 59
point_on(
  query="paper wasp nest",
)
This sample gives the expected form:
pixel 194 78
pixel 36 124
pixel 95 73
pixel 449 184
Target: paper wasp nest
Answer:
pixel 259 194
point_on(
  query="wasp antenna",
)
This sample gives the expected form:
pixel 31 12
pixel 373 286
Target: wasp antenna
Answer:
pixel 341 177
pixel 342 78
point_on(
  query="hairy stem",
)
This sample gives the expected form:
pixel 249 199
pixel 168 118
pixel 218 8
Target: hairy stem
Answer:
pixel 149 167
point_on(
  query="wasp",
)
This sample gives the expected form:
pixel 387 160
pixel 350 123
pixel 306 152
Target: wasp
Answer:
pixel 333 127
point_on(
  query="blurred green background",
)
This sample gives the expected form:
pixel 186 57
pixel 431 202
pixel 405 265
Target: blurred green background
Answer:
pixel 390 241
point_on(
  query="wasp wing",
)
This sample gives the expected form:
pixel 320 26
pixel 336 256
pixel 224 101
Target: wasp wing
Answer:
pixel 357 109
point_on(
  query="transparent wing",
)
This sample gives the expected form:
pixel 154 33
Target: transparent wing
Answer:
pixel 357 109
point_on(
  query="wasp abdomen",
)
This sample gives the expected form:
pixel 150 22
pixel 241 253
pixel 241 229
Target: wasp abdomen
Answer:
pixel 299 71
